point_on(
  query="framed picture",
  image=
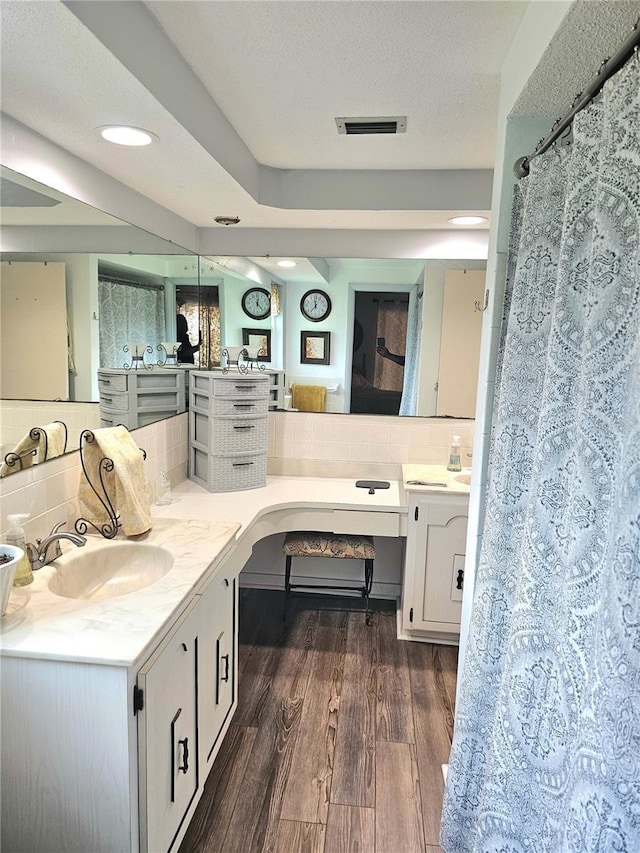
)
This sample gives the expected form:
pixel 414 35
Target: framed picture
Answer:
pixel 314 347
pixel 260 338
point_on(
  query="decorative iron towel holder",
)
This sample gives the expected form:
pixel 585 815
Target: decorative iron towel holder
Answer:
pixel 35 433
pixel 105 466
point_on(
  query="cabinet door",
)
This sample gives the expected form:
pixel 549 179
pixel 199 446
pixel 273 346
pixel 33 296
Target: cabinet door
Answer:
pixel 217 668
pixel 436 544
pixel 167 736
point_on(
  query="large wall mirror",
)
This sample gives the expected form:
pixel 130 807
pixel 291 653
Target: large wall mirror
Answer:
pixel 78 289
pixel 393 337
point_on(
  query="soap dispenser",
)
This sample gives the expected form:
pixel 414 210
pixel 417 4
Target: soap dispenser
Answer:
pixel 15 536
pixel 454 455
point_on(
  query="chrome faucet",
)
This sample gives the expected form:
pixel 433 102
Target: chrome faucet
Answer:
pixel 38 554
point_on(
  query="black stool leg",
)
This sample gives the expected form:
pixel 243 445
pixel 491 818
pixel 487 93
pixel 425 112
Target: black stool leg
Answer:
pixel 287 584
pixel 368 584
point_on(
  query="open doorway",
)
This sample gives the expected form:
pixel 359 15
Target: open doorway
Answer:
pixel 379 344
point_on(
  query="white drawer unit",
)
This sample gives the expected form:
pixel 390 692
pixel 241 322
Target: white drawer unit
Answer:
pixel 228 430
pixel 136 398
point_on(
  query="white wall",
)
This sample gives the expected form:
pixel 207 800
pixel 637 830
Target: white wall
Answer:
pixel 540 22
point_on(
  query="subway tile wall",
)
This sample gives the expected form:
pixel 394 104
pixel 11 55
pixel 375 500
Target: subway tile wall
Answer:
pixel 17 417
pixel 374 439
pixel 311 444
pixel 49 491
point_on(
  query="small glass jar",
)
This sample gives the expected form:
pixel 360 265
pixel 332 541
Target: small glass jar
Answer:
pixel 163 490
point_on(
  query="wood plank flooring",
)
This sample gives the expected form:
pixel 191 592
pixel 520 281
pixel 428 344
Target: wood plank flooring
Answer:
pixel 339 736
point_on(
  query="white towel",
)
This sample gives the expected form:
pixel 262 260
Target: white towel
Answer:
pixel 26 449
pixel 53 438
pixel 125 485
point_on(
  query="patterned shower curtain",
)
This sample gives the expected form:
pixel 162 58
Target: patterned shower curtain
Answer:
pixel 129 313
pixel 546 753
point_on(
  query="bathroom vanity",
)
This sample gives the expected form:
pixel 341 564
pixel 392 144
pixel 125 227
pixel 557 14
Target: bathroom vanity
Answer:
pixel 114 708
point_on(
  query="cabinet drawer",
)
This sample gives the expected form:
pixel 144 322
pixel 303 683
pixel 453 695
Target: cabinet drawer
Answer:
pixel 114 401
pixel 227 473
pixel 229 436
pixel 112 381
pixel 258 387
pixel 227 406
pixel 366 522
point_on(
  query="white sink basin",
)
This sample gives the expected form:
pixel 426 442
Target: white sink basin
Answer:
pixel 463 478
pixel 109 571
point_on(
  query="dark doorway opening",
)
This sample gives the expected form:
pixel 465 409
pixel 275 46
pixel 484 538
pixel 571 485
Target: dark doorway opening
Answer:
pixel 379 343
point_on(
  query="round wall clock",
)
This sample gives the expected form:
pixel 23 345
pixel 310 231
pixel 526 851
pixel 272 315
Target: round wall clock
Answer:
pixel 256 303
pixel 315 305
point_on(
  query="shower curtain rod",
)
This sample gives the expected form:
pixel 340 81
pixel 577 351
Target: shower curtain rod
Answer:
pixel 608 68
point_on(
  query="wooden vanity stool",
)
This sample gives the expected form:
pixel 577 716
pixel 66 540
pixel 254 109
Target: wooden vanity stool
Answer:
pixel 333 545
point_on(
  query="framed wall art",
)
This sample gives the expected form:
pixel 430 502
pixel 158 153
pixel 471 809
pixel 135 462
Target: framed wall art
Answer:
pixel 315 347
pixel 260 338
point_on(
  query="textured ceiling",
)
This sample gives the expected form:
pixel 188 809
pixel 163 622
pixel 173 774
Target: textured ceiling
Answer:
pixel 282 71
pixel 591 31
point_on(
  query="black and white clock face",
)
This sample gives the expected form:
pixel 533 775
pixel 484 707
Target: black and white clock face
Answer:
pixel 315 305
pixel 256 303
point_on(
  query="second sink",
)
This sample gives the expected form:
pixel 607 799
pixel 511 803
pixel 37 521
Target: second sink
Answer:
pixel 106 572
pixel 463 478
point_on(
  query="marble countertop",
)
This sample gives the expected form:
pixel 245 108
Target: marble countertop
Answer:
pixel 190 500
pixel 199 528
pixel 436 478
pixel 116 631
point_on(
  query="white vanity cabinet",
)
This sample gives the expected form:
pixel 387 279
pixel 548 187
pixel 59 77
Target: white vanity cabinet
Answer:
pixel 166 696
pixel 107 758
pixel 218 663
pixel 434 567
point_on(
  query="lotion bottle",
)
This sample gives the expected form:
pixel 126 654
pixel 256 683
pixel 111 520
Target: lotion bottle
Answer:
pixel 454 455
pixel 15 536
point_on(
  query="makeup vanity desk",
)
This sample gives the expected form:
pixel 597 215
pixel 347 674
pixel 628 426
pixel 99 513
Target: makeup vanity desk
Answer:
pixel 433 518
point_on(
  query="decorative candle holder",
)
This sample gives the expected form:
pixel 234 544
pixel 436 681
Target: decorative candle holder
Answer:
pixel 170 350
pixel 137 351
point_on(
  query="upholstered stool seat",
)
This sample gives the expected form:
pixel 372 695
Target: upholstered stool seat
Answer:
pixel 336 545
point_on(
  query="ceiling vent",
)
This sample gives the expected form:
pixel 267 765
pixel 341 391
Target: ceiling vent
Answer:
pixel 372 125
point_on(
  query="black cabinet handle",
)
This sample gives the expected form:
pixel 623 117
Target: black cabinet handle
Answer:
pixel 185 755
pixel 243 405
pixel 245 387
pixel 240 464
pixel 248 426
pixel 460 579
pixel 225 677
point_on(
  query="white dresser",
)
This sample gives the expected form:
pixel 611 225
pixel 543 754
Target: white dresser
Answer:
pixel 136 398
pixel 228 429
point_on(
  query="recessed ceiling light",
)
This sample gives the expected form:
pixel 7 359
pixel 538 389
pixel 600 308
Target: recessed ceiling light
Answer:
pixel 286 263
pixel 468 220
pixel 123 135
pixel 227 220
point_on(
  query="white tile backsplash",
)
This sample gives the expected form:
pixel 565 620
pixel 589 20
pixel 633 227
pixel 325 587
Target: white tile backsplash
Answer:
pixel 371 439
pixel 49 491
pixel 318 444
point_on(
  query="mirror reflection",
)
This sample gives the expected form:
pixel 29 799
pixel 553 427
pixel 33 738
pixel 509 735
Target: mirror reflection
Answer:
pixel 89 301
pixel 82 293
pixel 385 336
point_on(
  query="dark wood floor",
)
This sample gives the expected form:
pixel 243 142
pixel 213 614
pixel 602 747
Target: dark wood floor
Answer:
pixel 338 740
